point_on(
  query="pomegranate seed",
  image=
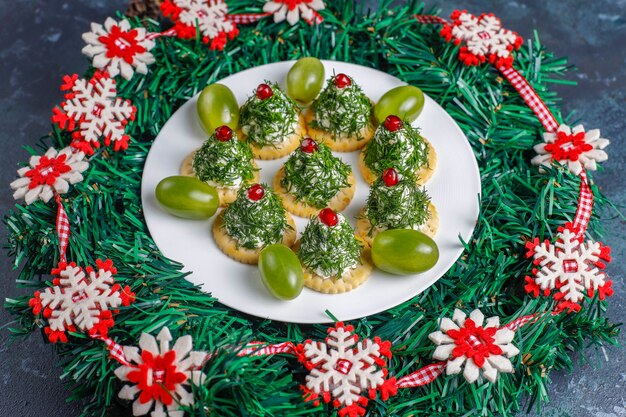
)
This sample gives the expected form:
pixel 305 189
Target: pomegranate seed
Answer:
pixel 342 81
pixel 264 91
pixel 390 177
pixel 224 133
pixel 393 123
pixel 308 145
pixel 329 217
pixel 256 192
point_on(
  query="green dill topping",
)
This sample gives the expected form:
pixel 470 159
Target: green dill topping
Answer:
pixel 224 163
pixel 405 150
pixel 342 111
pixel 402 206
pixel 315 178
pixel 256 224
pixel 329 251
pixel 270 121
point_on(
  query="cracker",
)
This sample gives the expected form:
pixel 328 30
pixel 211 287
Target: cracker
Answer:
pixel 343 143
pixel 229 246
pixel 430 228
pixel 423 174
pixel 273 152
pixel 350 280
pixel 226 194
pixel 339 202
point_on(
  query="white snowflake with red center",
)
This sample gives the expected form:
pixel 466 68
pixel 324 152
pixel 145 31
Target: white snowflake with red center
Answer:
pixel 343 368
pixel 117 48
pixel 160 375
pixel 572 147
pixel 49 174
pixel 483 39
pixel 570 267
pixel 473 345
pixel 292 10
pixel 79 300
pixel 209 16
pixel 93 111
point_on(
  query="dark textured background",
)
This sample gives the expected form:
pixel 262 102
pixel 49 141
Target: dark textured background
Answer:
pixel 40 42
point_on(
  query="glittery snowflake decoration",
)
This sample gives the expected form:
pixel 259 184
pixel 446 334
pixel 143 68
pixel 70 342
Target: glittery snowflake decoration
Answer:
pixel 572 147
pixel 160 375
pixel 481 38
pixel 473 345
pixel 80 299
pixel 210 17
pixel 117 48
pixel 342 370
pixel 49 174
pixel 568 270
pixel 293 10
pixel 92 111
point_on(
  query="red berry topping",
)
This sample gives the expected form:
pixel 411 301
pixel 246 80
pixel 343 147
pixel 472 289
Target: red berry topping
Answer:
pixel 390 177
pixel 264 91
pixel 256 192
pixel 342 80
pixel 308 145
pixel 393 123
pixel 329 217
pixel 224 133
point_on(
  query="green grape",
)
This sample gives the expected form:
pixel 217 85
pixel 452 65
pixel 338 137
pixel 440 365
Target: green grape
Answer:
pixel 217 106
pixel 305 80
pixel 404 252
pixel 281 271
pixel 187 197
pixel 406 102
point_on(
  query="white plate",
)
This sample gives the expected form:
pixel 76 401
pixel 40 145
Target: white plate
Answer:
pixel 454 189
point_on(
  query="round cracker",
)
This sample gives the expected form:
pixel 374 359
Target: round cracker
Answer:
pixel 429 228
pixel 289 145
pixel 349 281
pixel 344 143
pixel 229 246
pixel 226 194
pixel 339 202
pixel 423 174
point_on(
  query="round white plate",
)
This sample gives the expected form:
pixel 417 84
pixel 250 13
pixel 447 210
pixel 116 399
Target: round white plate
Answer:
pixel 454 189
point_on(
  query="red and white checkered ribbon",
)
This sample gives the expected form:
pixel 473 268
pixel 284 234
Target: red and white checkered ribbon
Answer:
pixel 246 18
pixel 261 349
pixel 154 35
pixel 430 19
pixel 115 349
pixel 422 376
pixel 63 228
pixel 585 206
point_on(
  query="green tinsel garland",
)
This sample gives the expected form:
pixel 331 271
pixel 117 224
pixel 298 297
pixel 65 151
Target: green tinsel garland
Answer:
pixel 518 203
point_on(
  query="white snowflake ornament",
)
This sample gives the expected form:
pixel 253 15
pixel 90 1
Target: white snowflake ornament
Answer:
pixel 482 38
pixel 210 17
pixel 473 345
pixel 160 375
pixel 118 49
pixel 92 111
pixel 79 300
pixel 572 147
pixel 342 369
pixel 570 268
pixel 293 10
pixel 49 174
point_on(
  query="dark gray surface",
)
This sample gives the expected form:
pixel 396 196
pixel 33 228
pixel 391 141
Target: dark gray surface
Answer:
pixel 40 41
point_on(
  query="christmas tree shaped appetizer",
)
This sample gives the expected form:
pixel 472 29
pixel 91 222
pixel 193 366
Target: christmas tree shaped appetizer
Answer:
pixel 253 221
pixel 223 162
pixel 396 202
pixel 341 116
pixel 271 122
pixel 398 144
pixel 313 178
pixel 333 259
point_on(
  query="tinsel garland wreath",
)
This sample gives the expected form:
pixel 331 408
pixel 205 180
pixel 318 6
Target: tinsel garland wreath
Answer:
pixel 105 217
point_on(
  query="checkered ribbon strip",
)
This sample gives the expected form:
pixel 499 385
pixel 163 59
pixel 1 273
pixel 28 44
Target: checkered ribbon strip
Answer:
pixel 585 206
pixel 63 228
pixel 430 19
pixel 154 35
pixel 245 18
pixel 115 349
pixel 531 98
pixel 423 376
pixel 262 349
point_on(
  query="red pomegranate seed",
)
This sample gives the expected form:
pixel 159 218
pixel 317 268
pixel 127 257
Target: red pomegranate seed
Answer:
pixel 308 145
pixel 256 192
pixel 329 217
pixel 224 133
pixel 342 80
pixel 264 91
pixel 393 123
pixel 390 177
